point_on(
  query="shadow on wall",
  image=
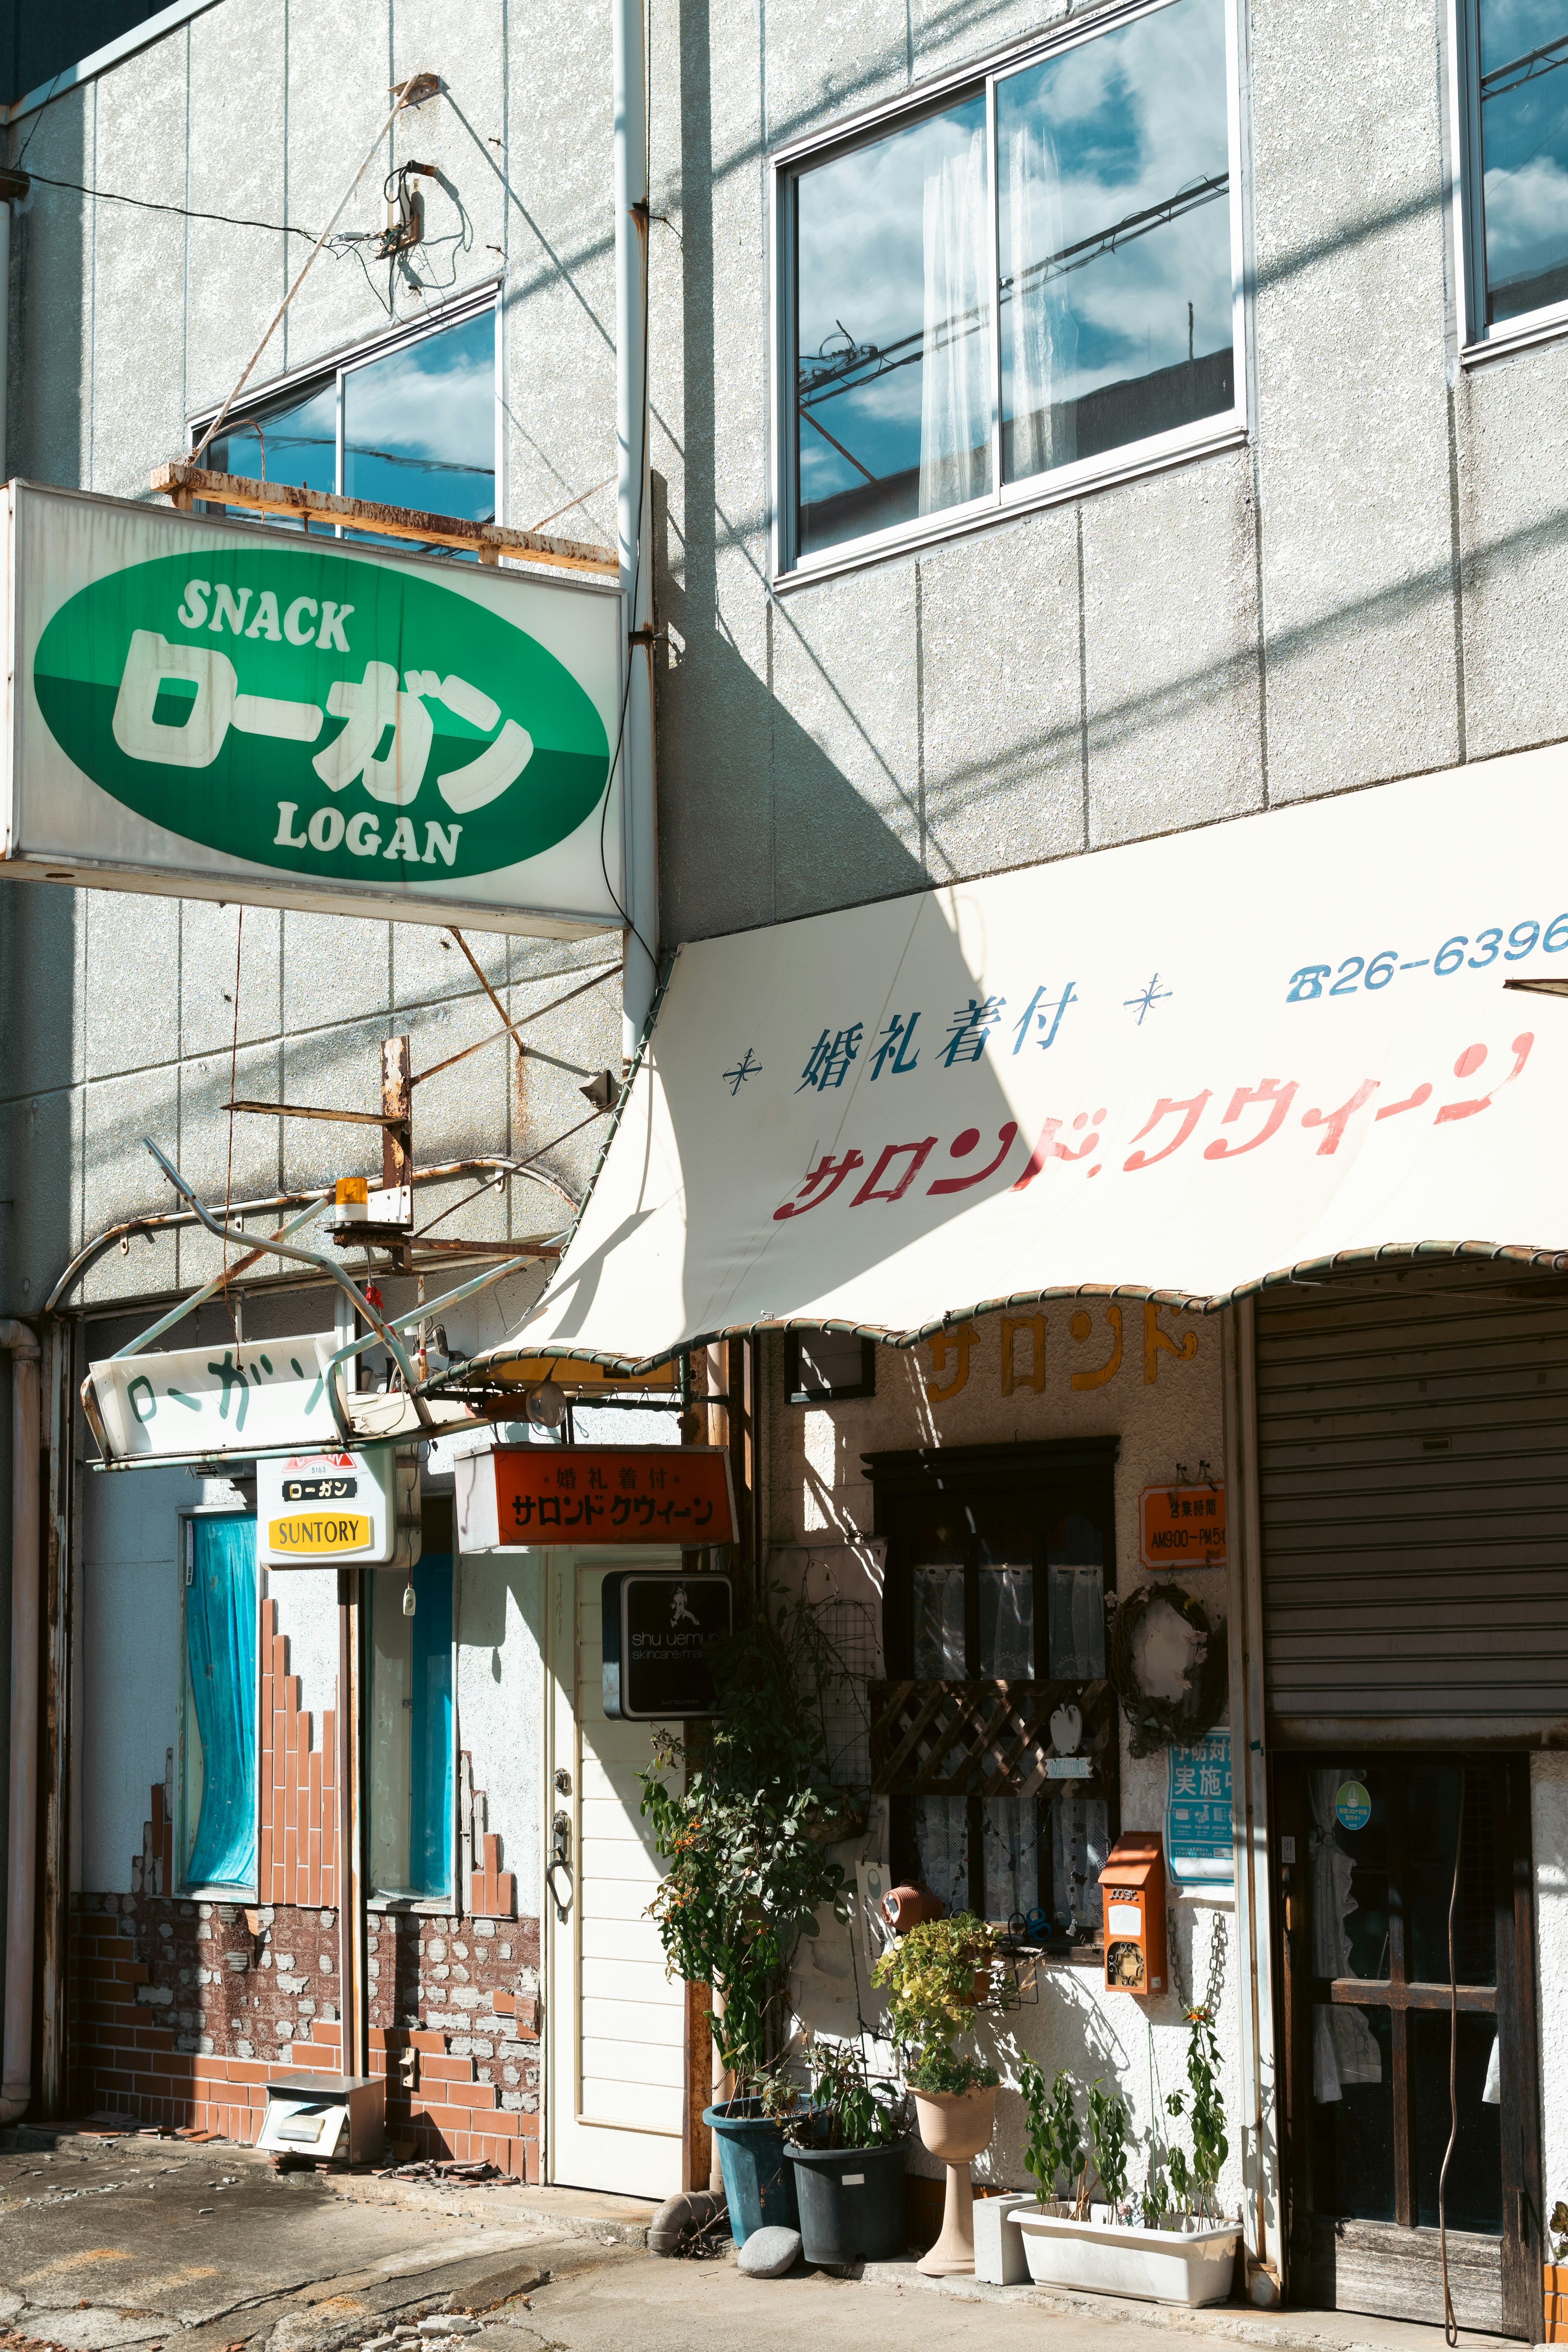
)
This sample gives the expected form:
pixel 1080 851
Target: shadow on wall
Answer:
pixel 39 927
pixel 719 712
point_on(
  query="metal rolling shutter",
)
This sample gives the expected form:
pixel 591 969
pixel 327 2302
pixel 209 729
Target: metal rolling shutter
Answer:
pixel 1413 1459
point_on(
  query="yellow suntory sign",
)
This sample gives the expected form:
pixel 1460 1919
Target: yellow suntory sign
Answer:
pixel 318 1531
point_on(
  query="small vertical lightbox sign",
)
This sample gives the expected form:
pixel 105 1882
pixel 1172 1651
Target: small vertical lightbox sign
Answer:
pixel 658 1626
pixel 1133 1885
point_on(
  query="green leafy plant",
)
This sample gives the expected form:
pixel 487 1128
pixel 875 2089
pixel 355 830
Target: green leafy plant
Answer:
pixel 1054 2142
pixel 1204 2106
pixel 1107 2136
pixel 844 2108
pixel 748 1871
pixel 938 1978
pixel 1558 2225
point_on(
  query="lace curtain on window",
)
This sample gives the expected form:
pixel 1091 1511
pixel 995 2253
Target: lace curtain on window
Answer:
pixel 938 1652
pixel 955 372
pixel 941 1847
pixel 1039 331
pixel 1345 2049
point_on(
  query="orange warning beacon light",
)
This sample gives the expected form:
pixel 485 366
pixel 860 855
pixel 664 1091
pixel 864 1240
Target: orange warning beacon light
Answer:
pixel 1133 1885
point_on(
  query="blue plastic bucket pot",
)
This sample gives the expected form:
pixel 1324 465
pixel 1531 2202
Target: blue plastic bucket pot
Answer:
pixel 759 2186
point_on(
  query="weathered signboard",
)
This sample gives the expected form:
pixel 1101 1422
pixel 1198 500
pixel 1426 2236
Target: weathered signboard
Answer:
pixel 657 1628
pixel 215 1399
pixel 596 1495
pixel 230 710
pixel 1182 1524
pixel 343 1509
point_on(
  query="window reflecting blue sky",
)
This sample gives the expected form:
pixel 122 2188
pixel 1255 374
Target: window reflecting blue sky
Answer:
pixel 861 275
pixel 1109 195
pixel 419 429
pixel 1132 122
pixel 419 426
pixel 1524 143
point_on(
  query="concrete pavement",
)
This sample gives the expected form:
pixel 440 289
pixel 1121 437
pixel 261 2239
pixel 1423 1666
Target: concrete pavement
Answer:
pixel 159 2246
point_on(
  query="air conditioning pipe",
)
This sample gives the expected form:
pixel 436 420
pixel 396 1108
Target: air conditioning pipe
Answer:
pixel 21 1885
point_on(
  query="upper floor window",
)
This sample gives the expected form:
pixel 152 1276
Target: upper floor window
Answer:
pixel 1007 294
pixel 411 424
pixel 1517 53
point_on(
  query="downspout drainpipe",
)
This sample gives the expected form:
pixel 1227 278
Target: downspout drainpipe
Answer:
pixel 15 2094
pixel 634 531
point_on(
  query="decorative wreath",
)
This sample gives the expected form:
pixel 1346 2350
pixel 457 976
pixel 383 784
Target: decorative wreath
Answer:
pixel 1157 1723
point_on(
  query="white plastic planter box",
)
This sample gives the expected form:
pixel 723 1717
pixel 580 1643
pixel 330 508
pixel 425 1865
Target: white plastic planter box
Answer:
pixel 1154 2266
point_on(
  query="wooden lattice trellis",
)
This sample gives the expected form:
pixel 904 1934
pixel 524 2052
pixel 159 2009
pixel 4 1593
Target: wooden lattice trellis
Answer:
pixel 985 1738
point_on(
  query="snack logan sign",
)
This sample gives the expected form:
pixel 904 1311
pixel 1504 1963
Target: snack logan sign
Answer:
pixel 242 712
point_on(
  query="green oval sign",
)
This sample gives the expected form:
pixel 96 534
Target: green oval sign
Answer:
pixel 329 716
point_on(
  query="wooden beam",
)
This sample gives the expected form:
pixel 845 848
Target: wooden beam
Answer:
pixel 284 502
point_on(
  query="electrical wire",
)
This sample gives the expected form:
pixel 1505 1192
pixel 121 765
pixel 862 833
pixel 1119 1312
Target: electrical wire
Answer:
pixel 183 212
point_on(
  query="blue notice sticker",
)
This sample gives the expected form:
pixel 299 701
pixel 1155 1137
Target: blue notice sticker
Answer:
pixel 1353 1805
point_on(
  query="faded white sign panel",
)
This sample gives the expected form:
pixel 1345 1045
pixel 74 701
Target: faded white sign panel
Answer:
pixel 216 1400
pixel 228 710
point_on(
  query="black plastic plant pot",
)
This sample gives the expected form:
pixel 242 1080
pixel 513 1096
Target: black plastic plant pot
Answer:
pixel 851 2202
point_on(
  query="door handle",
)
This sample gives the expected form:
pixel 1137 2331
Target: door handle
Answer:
pixel 560 1859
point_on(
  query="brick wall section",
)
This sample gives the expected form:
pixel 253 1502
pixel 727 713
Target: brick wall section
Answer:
pixel 164 2029
pixel 167 2025
pixel 299 1784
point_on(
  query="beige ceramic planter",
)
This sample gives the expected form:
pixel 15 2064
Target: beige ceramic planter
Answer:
pixel 954 2127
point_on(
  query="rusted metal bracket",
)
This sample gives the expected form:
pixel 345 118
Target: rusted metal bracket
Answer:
pixel 287 502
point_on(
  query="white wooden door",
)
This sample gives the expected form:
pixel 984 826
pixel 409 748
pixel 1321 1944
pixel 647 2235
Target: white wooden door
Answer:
pixel 616 2024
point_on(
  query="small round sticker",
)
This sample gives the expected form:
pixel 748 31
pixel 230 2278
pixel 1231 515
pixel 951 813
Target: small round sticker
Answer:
pixel 1352 1806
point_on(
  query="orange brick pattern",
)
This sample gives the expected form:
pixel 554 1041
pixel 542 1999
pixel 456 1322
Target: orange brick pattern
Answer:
pixel 299 1784
pixel 152 1870
pixel 493 1891
pixel 127 2060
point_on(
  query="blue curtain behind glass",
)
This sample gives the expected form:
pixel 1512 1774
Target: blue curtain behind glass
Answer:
pixel 430 1790
pixel 220 1652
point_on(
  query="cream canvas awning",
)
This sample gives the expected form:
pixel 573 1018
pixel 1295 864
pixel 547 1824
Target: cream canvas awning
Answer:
pixel 1177 1069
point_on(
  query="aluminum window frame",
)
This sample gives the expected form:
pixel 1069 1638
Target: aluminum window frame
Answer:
pixel 316 374
pixel 220 1891
pixel 1003 500
pixel 1479 341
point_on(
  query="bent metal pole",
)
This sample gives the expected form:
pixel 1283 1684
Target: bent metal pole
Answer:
pixel 633 531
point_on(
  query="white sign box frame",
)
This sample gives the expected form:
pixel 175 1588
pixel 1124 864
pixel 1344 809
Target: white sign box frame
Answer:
pixel 274 714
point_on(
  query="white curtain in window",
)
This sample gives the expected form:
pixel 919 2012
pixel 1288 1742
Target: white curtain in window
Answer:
pixel 1042 331
pixel 1012 1856
pixel 939 1654
pixel 955 373
pixel 942 1844
pixel 1344 2048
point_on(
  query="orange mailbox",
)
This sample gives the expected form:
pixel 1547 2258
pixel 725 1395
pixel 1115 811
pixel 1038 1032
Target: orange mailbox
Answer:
pixel 1133 1885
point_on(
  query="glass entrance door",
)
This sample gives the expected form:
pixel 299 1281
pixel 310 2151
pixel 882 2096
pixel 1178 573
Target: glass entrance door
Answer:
pixel 1372 1854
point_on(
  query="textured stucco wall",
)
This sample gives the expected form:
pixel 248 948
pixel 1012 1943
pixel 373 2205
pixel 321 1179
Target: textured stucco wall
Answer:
pixel 822 1509
pixel 500 1702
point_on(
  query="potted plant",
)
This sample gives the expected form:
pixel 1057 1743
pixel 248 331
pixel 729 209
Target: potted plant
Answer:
pixel 937 1979
pixel 1163 2257
pixel 845 2145
pixel 747 1876
pixel 1054 2146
